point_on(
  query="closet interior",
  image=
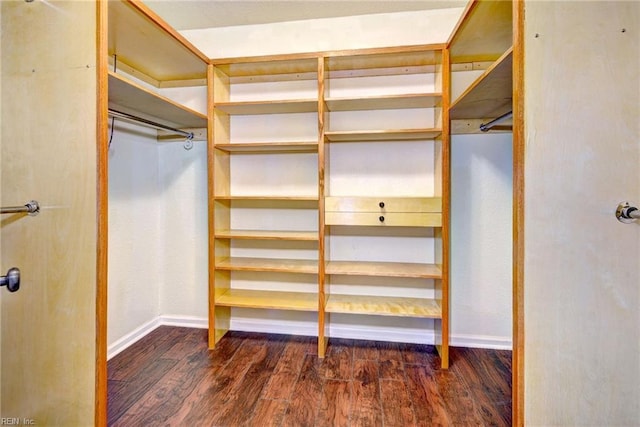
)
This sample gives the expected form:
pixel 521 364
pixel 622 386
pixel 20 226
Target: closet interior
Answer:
pixel 354 222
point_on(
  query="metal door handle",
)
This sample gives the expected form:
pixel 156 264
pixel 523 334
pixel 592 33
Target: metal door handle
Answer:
pixel 11 280
pixel 627 213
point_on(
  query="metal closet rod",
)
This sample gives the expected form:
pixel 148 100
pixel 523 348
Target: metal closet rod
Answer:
pixel 485 127
pixel 126 116
pixel 31 207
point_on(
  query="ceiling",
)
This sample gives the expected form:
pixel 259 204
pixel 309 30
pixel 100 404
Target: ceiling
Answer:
pixel 195 14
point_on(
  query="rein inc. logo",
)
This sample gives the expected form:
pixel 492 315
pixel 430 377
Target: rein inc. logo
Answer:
pixel 16 421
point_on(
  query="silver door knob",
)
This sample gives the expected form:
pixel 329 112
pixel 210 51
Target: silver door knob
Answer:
pixel 11 280
pixel 627 213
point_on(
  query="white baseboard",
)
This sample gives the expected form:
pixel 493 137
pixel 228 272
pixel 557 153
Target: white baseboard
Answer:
pixel 370 333
pixel 185 321
pixel 273 326
pixel 133 336
pixel 169 320
pixel 481 341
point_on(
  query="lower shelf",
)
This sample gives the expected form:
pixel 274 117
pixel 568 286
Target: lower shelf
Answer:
pixel 387 269
pixel 384 306
pixel 246 298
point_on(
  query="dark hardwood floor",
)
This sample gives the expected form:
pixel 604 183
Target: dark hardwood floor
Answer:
pixel 170 378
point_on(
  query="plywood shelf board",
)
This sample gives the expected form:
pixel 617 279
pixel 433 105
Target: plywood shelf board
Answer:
pixel 388 102
pixel 269 147
pixel 268 107
pixel 127 95
pixel 382 135
pixel 298 301
pixel 147 44
pixel 490 95
pixel 268 264
pixel 382 59
pixel 383 269
pixel 292 69
pixel 384 306
pixel 483 33
pixel 267 235
pixel 270 198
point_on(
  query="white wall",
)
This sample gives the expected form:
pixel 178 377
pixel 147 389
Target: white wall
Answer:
pixel 481 179
pixel 136 240
pixel 387 29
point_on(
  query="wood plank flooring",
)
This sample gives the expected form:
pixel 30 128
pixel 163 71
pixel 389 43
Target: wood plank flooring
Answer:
pixel 170 378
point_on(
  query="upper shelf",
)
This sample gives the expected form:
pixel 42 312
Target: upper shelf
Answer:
pixel 359 64
pixel 490 95
pixel 268 107
pixel 250 70
pixel 427 100
pixel 126 95
pixel 483 33
pixel 269 147
pixel 142 40
pixel 382 135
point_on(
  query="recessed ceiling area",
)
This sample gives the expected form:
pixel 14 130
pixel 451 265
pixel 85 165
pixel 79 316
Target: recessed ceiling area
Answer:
pixel 196 14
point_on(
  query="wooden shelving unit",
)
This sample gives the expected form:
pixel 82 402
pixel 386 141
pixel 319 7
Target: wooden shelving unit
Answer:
pixel 146 55
pixel 484 33
pixel 227 77
pixel 386 211
pixel 427 210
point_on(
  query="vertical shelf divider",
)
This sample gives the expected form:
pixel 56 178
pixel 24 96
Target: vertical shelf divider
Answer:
pixel 442 175
pixel 323 321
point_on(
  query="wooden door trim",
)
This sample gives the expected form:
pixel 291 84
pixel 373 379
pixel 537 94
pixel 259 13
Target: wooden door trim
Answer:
pixel 518 214
pixel 102 150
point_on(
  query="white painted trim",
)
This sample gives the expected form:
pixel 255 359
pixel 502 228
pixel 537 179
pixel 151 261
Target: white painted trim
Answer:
pixel 481 341
pixel 310 329
pixel 184 321
pixel 133 336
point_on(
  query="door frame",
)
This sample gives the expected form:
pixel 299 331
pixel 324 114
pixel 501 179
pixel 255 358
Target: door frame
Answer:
pixel 102 186
pixel 517 364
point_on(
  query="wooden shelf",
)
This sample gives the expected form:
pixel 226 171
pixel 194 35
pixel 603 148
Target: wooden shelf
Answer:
pixel 490 96
pixel 382 135
pixel 384 306
pixel 389 102
pixel 269 147
pixel 269 107
pixel 399 59
pixel 311 236
pixel 130 97
pixel 384 269
pixel 483 33
pixel 271 198
pixel 268 264
pixel 246 70
pixel 268 299
pixel 142 40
